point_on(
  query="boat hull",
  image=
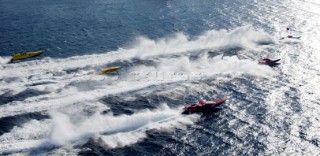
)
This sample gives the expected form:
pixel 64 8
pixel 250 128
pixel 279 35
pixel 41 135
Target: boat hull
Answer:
pixel 196 108
pixel 109 69
pixel 20 56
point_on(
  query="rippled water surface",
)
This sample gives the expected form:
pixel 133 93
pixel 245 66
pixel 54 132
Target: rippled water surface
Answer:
pixel 172 53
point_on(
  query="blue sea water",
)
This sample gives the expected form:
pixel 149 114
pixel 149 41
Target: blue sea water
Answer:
pixel 172 53
pixel 66 28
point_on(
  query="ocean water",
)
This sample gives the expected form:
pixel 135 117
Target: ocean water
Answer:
pixel 172 53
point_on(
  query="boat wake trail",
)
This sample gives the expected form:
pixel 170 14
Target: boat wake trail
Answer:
pixel 105 129
pixel 5 59
pixel 174 70
pixel 70 90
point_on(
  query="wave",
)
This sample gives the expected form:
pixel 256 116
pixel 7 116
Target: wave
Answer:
pixel 106 129
pixel 174 70
pixel 243 37
pixel 5 59
pixel 71 83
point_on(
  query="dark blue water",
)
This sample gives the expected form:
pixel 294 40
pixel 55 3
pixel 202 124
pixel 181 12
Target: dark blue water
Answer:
pixel 58 103
pixel 66 28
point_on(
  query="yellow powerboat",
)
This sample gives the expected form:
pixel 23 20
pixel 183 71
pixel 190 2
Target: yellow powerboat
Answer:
pixel 20 56
pixel 109 69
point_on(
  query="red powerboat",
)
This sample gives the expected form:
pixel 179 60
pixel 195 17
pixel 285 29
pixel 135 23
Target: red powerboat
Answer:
pixel 269 62
pixel 203 106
